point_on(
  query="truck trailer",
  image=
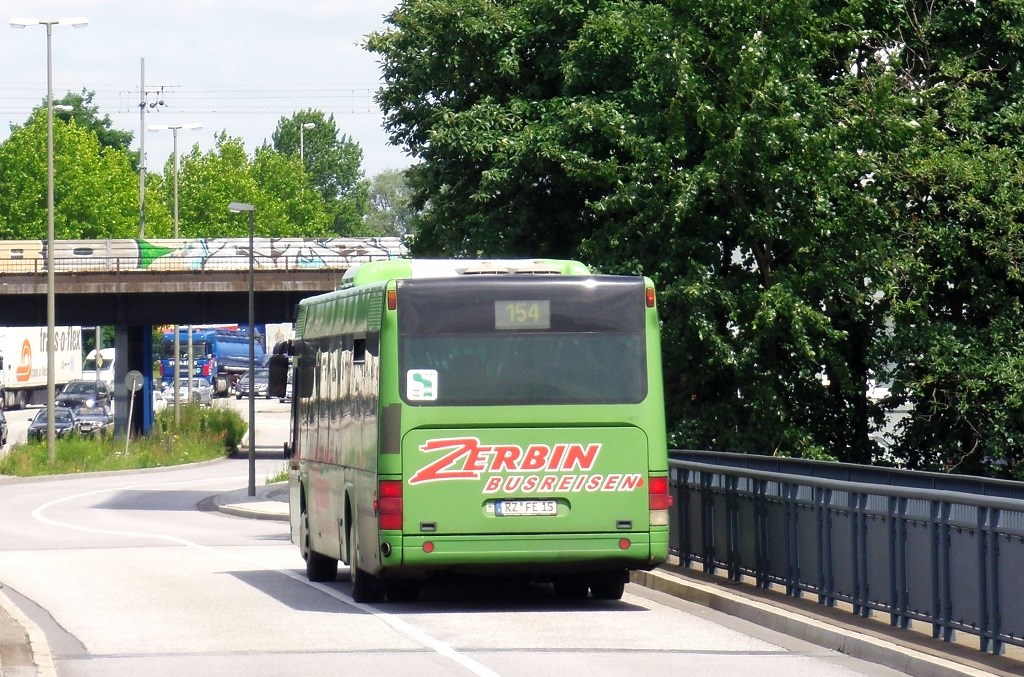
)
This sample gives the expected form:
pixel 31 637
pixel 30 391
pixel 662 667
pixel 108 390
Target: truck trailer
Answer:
pixel 23 362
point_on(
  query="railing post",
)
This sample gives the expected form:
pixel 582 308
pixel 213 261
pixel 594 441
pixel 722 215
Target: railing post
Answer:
pixel 790 492
pixel 942 601
pixel 731 484
pixel 682 501
pixel 707 524
pixel 758 489
pixel 898 559
pixel 992 552
pixel 826 581
pixel 984 621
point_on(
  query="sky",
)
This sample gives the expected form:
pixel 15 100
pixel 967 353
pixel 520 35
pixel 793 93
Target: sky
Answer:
pixel 230 65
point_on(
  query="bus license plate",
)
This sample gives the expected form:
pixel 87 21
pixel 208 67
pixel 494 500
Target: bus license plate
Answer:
pixel 522 508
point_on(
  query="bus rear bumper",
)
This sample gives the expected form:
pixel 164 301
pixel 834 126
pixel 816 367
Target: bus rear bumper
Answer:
pixel 543 553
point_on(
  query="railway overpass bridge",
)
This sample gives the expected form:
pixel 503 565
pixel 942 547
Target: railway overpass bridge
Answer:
pixel 135 285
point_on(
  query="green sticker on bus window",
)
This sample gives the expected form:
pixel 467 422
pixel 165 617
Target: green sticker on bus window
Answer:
pixel 421 384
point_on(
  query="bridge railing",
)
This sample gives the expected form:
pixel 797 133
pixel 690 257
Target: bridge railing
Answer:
pixel 881 541
pixel 222 254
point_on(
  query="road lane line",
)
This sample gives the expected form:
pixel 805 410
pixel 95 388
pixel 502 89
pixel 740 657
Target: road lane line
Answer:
pixel 396 623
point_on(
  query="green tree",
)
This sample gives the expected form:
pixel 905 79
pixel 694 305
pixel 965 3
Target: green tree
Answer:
pixel 86 114
pixel 611 132
pixel 208 182
pixel 332 162
pixel 95 189
pixel 824 194
pixel 957 284
pixel 391 212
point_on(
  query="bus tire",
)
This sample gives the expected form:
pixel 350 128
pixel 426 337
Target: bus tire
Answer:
pixel 366 589
pixel 319 568
pixel 609 586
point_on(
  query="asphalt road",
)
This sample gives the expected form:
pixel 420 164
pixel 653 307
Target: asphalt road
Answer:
pixel 137 572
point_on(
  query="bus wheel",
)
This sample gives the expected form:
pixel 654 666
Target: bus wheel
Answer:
pixel 609 586
pixel 568 588
pixel 366 589
pixel 319 567
pixel 403 591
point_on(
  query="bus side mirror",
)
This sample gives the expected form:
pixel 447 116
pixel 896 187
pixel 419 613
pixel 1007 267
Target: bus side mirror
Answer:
pixel 277 382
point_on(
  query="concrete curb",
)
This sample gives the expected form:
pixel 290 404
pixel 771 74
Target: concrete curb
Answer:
pixel 811 629
pixel 38 661
pixel 269 503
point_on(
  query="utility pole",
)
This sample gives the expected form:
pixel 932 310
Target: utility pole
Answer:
pixel 142 148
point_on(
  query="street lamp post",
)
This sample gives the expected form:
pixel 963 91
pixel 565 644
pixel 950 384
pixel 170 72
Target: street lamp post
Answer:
pixel 237 207
pixel 177 338
pixel 51 384
pixel 302 140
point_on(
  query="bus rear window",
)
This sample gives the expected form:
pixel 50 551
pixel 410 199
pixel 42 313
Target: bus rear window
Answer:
pixel 494 341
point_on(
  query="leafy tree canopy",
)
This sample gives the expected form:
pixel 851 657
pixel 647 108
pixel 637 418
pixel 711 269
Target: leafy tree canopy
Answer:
pixel 391 212
pixel 95 188
pixel 826 196
pixel 86 114
pixel 208 182
pixel 332 162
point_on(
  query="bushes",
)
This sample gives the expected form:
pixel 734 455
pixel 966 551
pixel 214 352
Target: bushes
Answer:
pixel 221 423
pixel 204 434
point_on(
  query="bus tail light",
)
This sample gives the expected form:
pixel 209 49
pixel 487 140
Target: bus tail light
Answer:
pixel 660 500
pixel 388 505
pixel 650 297
pixel 392 299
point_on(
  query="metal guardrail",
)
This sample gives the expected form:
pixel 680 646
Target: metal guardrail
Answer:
pixel 887 541
pixel 29 257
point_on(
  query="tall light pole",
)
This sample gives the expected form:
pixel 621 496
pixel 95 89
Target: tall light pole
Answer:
pixel 237 207
pixel 51 384
pixel 302 140
pixel 177 338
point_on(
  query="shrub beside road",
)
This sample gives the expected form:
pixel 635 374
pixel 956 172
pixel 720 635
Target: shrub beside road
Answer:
pixel 203 434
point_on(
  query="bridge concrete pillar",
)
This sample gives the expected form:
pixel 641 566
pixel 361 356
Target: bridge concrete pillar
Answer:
pixel 133 346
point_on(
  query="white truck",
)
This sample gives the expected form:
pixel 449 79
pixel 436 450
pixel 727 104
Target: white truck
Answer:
pixel 101 369
pixel 23 363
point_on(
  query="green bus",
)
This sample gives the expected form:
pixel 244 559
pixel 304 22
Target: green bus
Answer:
pixel 477 417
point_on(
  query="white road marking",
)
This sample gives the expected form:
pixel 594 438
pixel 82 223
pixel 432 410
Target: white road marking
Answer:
pixel 397 624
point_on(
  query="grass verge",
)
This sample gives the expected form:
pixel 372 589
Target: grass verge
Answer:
pixel 204 434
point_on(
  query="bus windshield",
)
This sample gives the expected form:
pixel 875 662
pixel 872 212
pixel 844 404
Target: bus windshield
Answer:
pixel 495 341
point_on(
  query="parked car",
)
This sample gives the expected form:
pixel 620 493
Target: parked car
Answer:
pixel 159 401
pixel 3 428
pixel 202 392
pixel 260 387
pixel 64 423
pixel 95 419
pixel 77 393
